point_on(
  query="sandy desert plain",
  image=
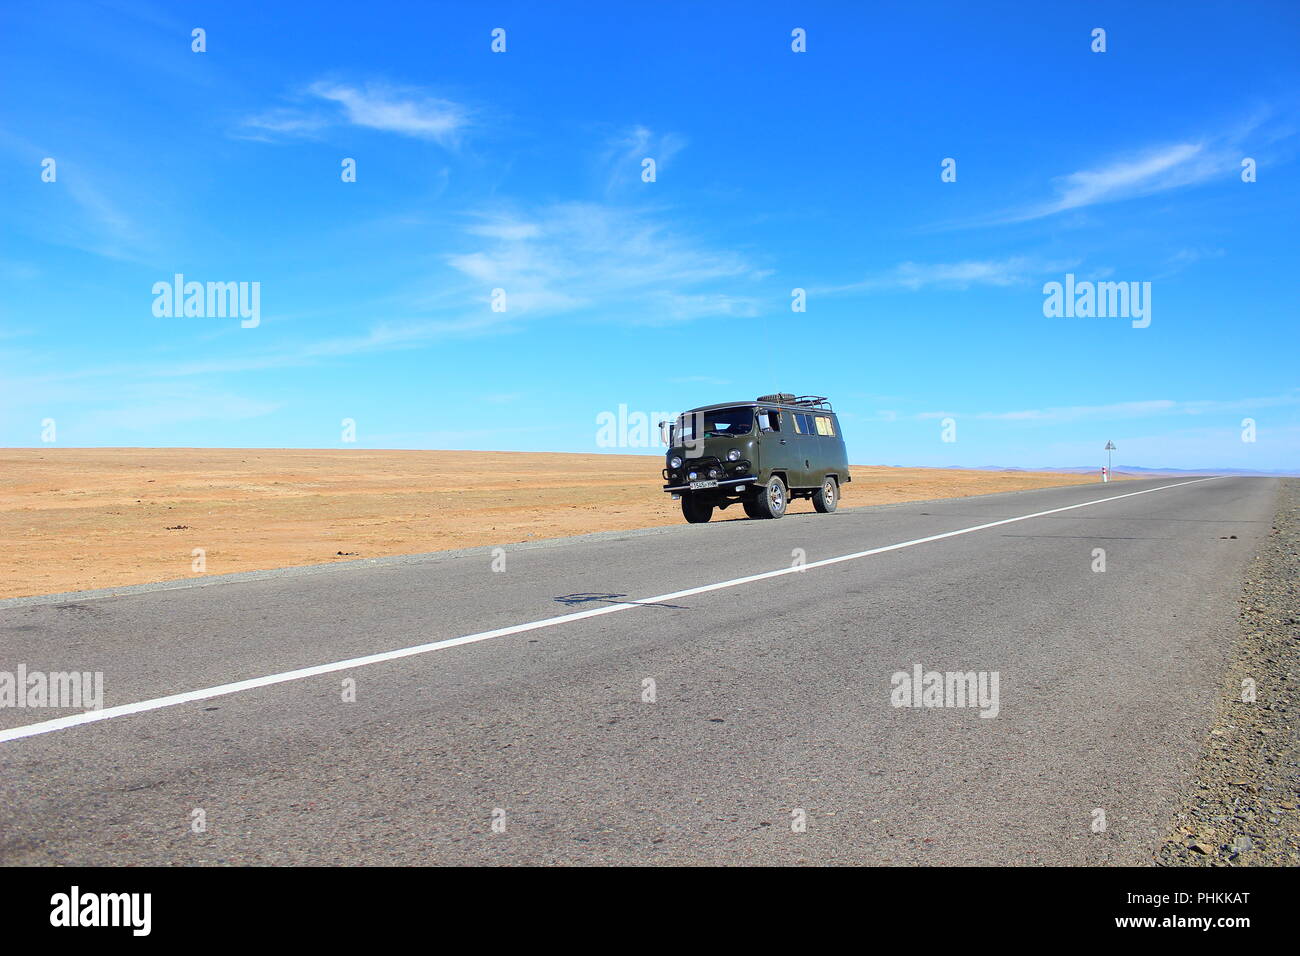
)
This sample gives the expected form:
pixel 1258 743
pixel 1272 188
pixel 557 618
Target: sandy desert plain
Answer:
pixel 75 519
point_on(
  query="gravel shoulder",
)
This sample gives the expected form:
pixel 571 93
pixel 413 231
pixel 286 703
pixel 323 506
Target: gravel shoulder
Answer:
pixel 1243 808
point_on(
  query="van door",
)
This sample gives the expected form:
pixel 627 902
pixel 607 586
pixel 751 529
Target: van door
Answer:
pixel 809 448
pixel 779 449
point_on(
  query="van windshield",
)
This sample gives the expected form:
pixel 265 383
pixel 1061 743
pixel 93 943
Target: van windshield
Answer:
pixel 717 421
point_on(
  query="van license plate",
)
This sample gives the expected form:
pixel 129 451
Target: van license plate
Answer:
pixel 695 485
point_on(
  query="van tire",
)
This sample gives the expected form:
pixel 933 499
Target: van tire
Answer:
pixel 827 497
pixel 773 499
pixel 752 509
pixel 696 511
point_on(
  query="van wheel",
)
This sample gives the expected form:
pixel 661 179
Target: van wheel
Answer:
pixel 752 509
pixel 827 496
pixel 773 499
pixel 695 510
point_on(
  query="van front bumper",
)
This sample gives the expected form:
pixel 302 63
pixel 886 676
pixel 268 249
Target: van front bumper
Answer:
pixel 721 484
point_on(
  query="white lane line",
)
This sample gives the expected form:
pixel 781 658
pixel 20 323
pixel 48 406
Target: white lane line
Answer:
pixel 221 690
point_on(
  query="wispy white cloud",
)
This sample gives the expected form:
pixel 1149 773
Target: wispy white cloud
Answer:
pixel 1152 169
pixel 1184 258
pixel 403 110
pixel 1266 134
pixel 389 335
pixel 592 262
pixel 510 230
pixel 115 234
pixel 284 121
pixel 577 256
pixel 718 304
pixel 406 111
pixel 93 222
pixel 1167 167
pixel 912 276
pixel 623 155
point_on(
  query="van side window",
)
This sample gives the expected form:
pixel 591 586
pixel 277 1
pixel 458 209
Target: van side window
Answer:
pixel 800 424
pixel 824 426
pixel 769 419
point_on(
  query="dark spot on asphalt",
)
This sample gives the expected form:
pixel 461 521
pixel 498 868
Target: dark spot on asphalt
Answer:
pixel 587 598
pixel 142 786
pixel 590 597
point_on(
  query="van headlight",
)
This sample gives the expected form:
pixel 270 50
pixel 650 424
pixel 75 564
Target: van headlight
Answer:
pixel 674 462
pixel 733 455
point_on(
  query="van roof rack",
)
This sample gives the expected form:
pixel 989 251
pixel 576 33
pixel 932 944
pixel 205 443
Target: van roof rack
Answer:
pixel 806 401
pixel 813 401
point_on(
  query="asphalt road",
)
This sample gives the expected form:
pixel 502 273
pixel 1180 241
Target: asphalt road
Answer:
pixel 771 697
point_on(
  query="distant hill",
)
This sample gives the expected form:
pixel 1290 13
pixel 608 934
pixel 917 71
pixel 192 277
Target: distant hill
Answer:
pixel 1139 470
pixel 1119 470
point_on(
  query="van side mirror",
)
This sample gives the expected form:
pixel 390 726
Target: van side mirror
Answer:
pixel 663 433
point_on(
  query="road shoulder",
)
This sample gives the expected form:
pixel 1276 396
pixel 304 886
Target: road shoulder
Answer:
pixel 1243 806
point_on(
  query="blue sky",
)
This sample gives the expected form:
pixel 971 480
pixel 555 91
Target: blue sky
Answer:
pixel 775 170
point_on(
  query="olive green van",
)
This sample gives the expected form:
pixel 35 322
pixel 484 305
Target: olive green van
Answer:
pixel 760 454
